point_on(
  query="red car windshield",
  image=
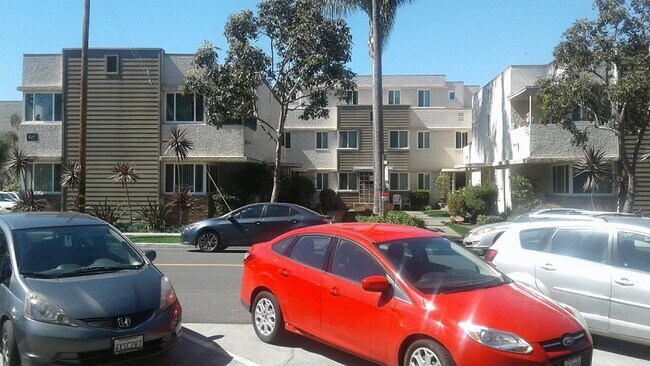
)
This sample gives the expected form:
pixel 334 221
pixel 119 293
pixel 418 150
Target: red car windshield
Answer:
pixel 435 265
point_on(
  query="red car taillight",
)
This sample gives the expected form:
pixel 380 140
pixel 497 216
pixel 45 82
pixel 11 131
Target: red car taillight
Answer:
pixel 249 255
pixel 490 254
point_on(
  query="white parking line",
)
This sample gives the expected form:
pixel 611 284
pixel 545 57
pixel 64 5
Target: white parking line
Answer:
pixel 209 345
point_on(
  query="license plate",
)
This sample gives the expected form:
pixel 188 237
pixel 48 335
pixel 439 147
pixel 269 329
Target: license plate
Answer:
pixel 128 344
pixel 573 361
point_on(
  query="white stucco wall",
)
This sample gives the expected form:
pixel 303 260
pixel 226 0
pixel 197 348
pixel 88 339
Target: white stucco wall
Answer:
pixel 303 151
pixel 42 71
pixel 561 147
pixel 175 67
pixel 49 144
pixel 227 141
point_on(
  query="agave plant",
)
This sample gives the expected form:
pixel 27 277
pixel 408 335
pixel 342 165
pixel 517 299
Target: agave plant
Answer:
pixel 180 145
pixel 30 201
pixel 18 163
pixel 106 211
pixel 184 200
pixel 70 174
pixel 594 167
pixel 124 173
pixel 155 214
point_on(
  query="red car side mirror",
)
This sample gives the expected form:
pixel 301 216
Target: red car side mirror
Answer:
pixel 375 284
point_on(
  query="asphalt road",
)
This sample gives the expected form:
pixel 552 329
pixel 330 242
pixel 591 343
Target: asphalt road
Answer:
pixel 218 331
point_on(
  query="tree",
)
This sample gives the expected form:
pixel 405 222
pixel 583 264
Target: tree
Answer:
pixel 18 163
pixel 308 57
pixel 603 67
pixel 15 121
pixel 70 178
pixel 124 173
pixel 180 145
pixel 381 14
pixel 594 168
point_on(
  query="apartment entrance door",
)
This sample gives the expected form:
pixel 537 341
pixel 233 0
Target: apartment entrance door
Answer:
pixel 366 186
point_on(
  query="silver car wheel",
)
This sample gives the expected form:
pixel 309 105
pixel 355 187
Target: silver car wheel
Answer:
pixel 209 242
pixel 265 319
pixel 424 357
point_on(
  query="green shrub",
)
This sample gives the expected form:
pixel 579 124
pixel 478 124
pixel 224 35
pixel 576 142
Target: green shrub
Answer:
pixel 107 212
pixel 30 201
pixel 443 183
pixel 484 219
pixel 155 214
pixel 480 200
pixel 296 189
pixel 419 199
pixel 456 203
pixel 437 213
pixel 523 195
pixel 220 207
pixel 393 217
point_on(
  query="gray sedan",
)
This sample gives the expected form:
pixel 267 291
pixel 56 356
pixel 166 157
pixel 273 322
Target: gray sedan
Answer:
pixel 250 224
pixel 74 290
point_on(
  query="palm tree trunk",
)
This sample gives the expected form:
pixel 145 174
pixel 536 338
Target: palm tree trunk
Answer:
pixel 128 202
pixel 180 209
pixel 377 110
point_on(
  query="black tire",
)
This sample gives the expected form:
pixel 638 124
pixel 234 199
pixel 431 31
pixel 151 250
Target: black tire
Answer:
pixel 209 241
pixel 8 346
pixel 427 352
pixel 268 321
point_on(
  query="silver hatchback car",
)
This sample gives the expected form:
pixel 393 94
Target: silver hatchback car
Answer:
pixel 601 268
pixel 73 290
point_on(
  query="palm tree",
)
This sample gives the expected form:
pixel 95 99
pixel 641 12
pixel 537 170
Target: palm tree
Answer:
pixel 18 163
pixel 70 178
pixel 381 14
pixel 124 173
pixel 180 145
pixel 594 167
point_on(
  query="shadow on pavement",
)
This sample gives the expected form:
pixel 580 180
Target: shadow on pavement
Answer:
pixel 227 250
pixel 622 347
pixel 194 349
pixel 309 345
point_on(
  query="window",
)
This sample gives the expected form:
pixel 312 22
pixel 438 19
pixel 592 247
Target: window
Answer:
pixel 322 181
pixel 112 64
pixel 452 95
pixel 280 247
pixel 461 117
pixel 566 182
pixel 580 114
pixel 633 251
pixel 348 140
pixel 354 263
pixel 352 97
pixel 44 177
pixel 394 97
pixel 399 181
pixel 184 108
pixel 461 140
pixel 590 245
pixel 398 139
pixel 424 98
pixel 348 181
pixel 252 212
pixel 424 181
pixel 191 177
pixel 278 211
pixel 46 107
pixel 489 131
pixel 322 142
pixel 424 140
pixel 535 239
pixel 285 140
pixel 311 250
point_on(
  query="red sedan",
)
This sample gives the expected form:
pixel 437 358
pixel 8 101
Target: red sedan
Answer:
pixel 397 295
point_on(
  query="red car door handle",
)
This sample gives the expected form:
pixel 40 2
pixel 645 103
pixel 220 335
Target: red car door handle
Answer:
pixel 548 267
pixel 258 223
pixel 624 282
pixel 335 291
pixel 283 272
pixel 294 221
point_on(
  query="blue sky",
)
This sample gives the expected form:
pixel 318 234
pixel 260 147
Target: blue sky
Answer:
pixel 467 40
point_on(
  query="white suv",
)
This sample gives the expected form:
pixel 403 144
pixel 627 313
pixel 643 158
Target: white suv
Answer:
pixel 600 267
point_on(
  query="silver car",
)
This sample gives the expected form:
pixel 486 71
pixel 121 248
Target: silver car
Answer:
pixel 600 267
pixel 73 290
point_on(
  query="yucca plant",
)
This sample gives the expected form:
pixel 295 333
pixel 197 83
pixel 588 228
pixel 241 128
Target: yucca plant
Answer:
pixel 18 163
pixel 155 214
pixel 30 201
pixel 184 200
pixel 106 211
pixel 180 145
pixel 593 166
pixel 70 179
pixel 124 173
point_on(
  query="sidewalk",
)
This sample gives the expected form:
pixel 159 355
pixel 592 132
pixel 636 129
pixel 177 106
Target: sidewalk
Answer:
pixel 435 224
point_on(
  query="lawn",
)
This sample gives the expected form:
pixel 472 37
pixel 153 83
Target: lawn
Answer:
pixel 437 213
pixel 459 229
pixel 155 239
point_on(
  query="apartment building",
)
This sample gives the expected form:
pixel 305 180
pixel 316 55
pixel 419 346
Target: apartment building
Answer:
pixel 134 100
pixel 427 123
pixel 509 137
